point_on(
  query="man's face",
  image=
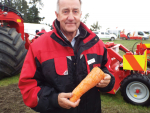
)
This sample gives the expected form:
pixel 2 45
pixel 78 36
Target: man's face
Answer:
pixel 69 15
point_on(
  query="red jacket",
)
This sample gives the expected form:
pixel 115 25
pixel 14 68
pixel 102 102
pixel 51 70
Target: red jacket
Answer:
pixel 53 66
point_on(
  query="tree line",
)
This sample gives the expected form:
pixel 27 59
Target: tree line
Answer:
pixel 29 9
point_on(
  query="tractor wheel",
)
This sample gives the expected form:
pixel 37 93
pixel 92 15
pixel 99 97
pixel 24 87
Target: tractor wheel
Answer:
pixel 112 39
pixel 124 38
pixel 12 52
pixel 148 65
pixel 135 89
pixel 148 68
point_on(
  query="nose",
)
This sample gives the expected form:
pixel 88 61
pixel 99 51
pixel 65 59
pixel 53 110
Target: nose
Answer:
pixel 70 16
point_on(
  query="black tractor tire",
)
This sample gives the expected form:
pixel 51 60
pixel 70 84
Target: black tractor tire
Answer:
pixel 148 68
pixel 148 63
pixel 135 89
pixel 12 52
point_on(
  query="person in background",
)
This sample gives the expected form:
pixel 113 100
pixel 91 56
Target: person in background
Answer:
pixel 59 60
pixel 38 34
pixel 36 31
pixel 128 35
pixel 41 32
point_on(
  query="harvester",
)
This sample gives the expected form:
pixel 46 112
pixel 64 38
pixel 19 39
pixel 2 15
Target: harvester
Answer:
pixel 131 72
pixel 13 44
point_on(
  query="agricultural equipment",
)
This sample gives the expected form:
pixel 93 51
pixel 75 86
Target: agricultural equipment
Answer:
pixel 130 74
pixel 13 48
pixel 140 50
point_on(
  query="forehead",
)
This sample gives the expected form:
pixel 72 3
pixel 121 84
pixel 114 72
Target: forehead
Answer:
pixel 69 4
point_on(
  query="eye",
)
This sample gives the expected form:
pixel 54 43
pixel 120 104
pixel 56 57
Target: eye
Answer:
pixel 75 12
pixel 65 11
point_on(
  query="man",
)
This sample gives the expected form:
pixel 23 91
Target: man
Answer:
pixel 58 61
pixel 36 31
pixel 39 33
pixel 128 35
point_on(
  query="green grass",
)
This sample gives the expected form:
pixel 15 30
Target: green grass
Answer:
pixel 9 80
pixel 116 104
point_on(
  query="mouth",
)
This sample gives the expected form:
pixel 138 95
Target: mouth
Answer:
pixel 70 23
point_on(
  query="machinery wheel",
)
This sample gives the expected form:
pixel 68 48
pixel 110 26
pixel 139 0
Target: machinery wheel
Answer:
pixel 124 38
pixel 12 52
pixel 135 89
pixel 112 39
pixel 148 65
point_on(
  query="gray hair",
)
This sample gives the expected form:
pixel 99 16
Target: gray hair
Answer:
pixel 57 7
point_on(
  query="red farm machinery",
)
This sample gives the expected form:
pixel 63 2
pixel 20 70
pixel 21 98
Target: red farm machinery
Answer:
pixel 132 72
pixel 13 44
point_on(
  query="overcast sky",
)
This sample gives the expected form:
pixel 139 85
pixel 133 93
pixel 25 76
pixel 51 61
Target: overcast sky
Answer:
pixel 128 14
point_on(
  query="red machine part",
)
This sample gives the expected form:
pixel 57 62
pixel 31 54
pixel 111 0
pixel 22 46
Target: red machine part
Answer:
pixel 117 64
pixel 140 50
pixel 14 21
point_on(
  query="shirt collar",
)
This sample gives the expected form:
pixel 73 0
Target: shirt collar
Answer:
pixel 77 34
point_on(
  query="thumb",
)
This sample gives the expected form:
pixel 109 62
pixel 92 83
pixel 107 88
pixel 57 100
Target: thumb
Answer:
pixel 68 95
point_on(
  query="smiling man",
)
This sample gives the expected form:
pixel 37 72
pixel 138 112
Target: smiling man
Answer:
pixel 59 60
pixel 68 14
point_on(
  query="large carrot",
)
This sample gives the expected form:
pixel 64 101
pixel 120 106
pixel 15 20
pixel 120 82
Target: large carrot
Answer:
pixel 91 80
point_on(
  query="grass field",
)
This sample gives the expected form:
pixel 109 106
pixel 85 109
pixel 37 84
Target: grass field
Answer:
pixel 110 103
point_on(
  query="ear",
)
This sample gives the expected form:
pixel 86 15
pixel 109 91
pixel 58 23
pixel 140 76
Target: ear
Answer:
pixel 57 15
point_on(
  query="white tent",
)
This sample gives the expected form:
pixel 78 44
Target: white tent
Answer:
pixel 30 28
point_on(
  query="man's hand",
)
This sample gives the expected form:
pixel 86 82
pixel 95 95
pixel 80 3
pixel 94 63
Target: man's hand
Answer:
pixel 103 83
pixel 64 102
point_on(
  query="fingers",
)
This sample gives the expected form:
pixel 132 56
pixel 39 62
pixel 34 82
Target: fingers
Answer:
pixel 66 95
pixel 103 83
pixel 73 104
pixel 64 102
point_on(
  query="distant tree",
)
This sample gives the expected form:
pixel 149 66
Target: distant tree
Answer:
pixel 30 12
pixel 35 2
pixel 33 15
pixel 95 26
pixel 84 19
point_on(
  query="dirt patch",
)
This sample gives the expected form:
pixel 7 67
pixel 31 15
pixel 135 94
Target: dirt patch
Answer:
pixel 11 100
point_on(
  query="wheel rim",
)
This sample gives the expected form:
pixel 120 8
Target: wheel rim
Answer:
pixel 137 92
pixel 112 39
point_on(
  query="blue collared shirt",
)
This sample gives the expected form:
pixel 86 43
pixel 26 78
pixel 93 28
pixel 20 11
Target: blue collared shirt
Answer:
pixel 73 40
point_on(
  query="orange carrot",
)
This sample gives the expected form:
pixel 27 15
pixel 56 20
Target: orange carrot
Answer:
pixel 91 80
